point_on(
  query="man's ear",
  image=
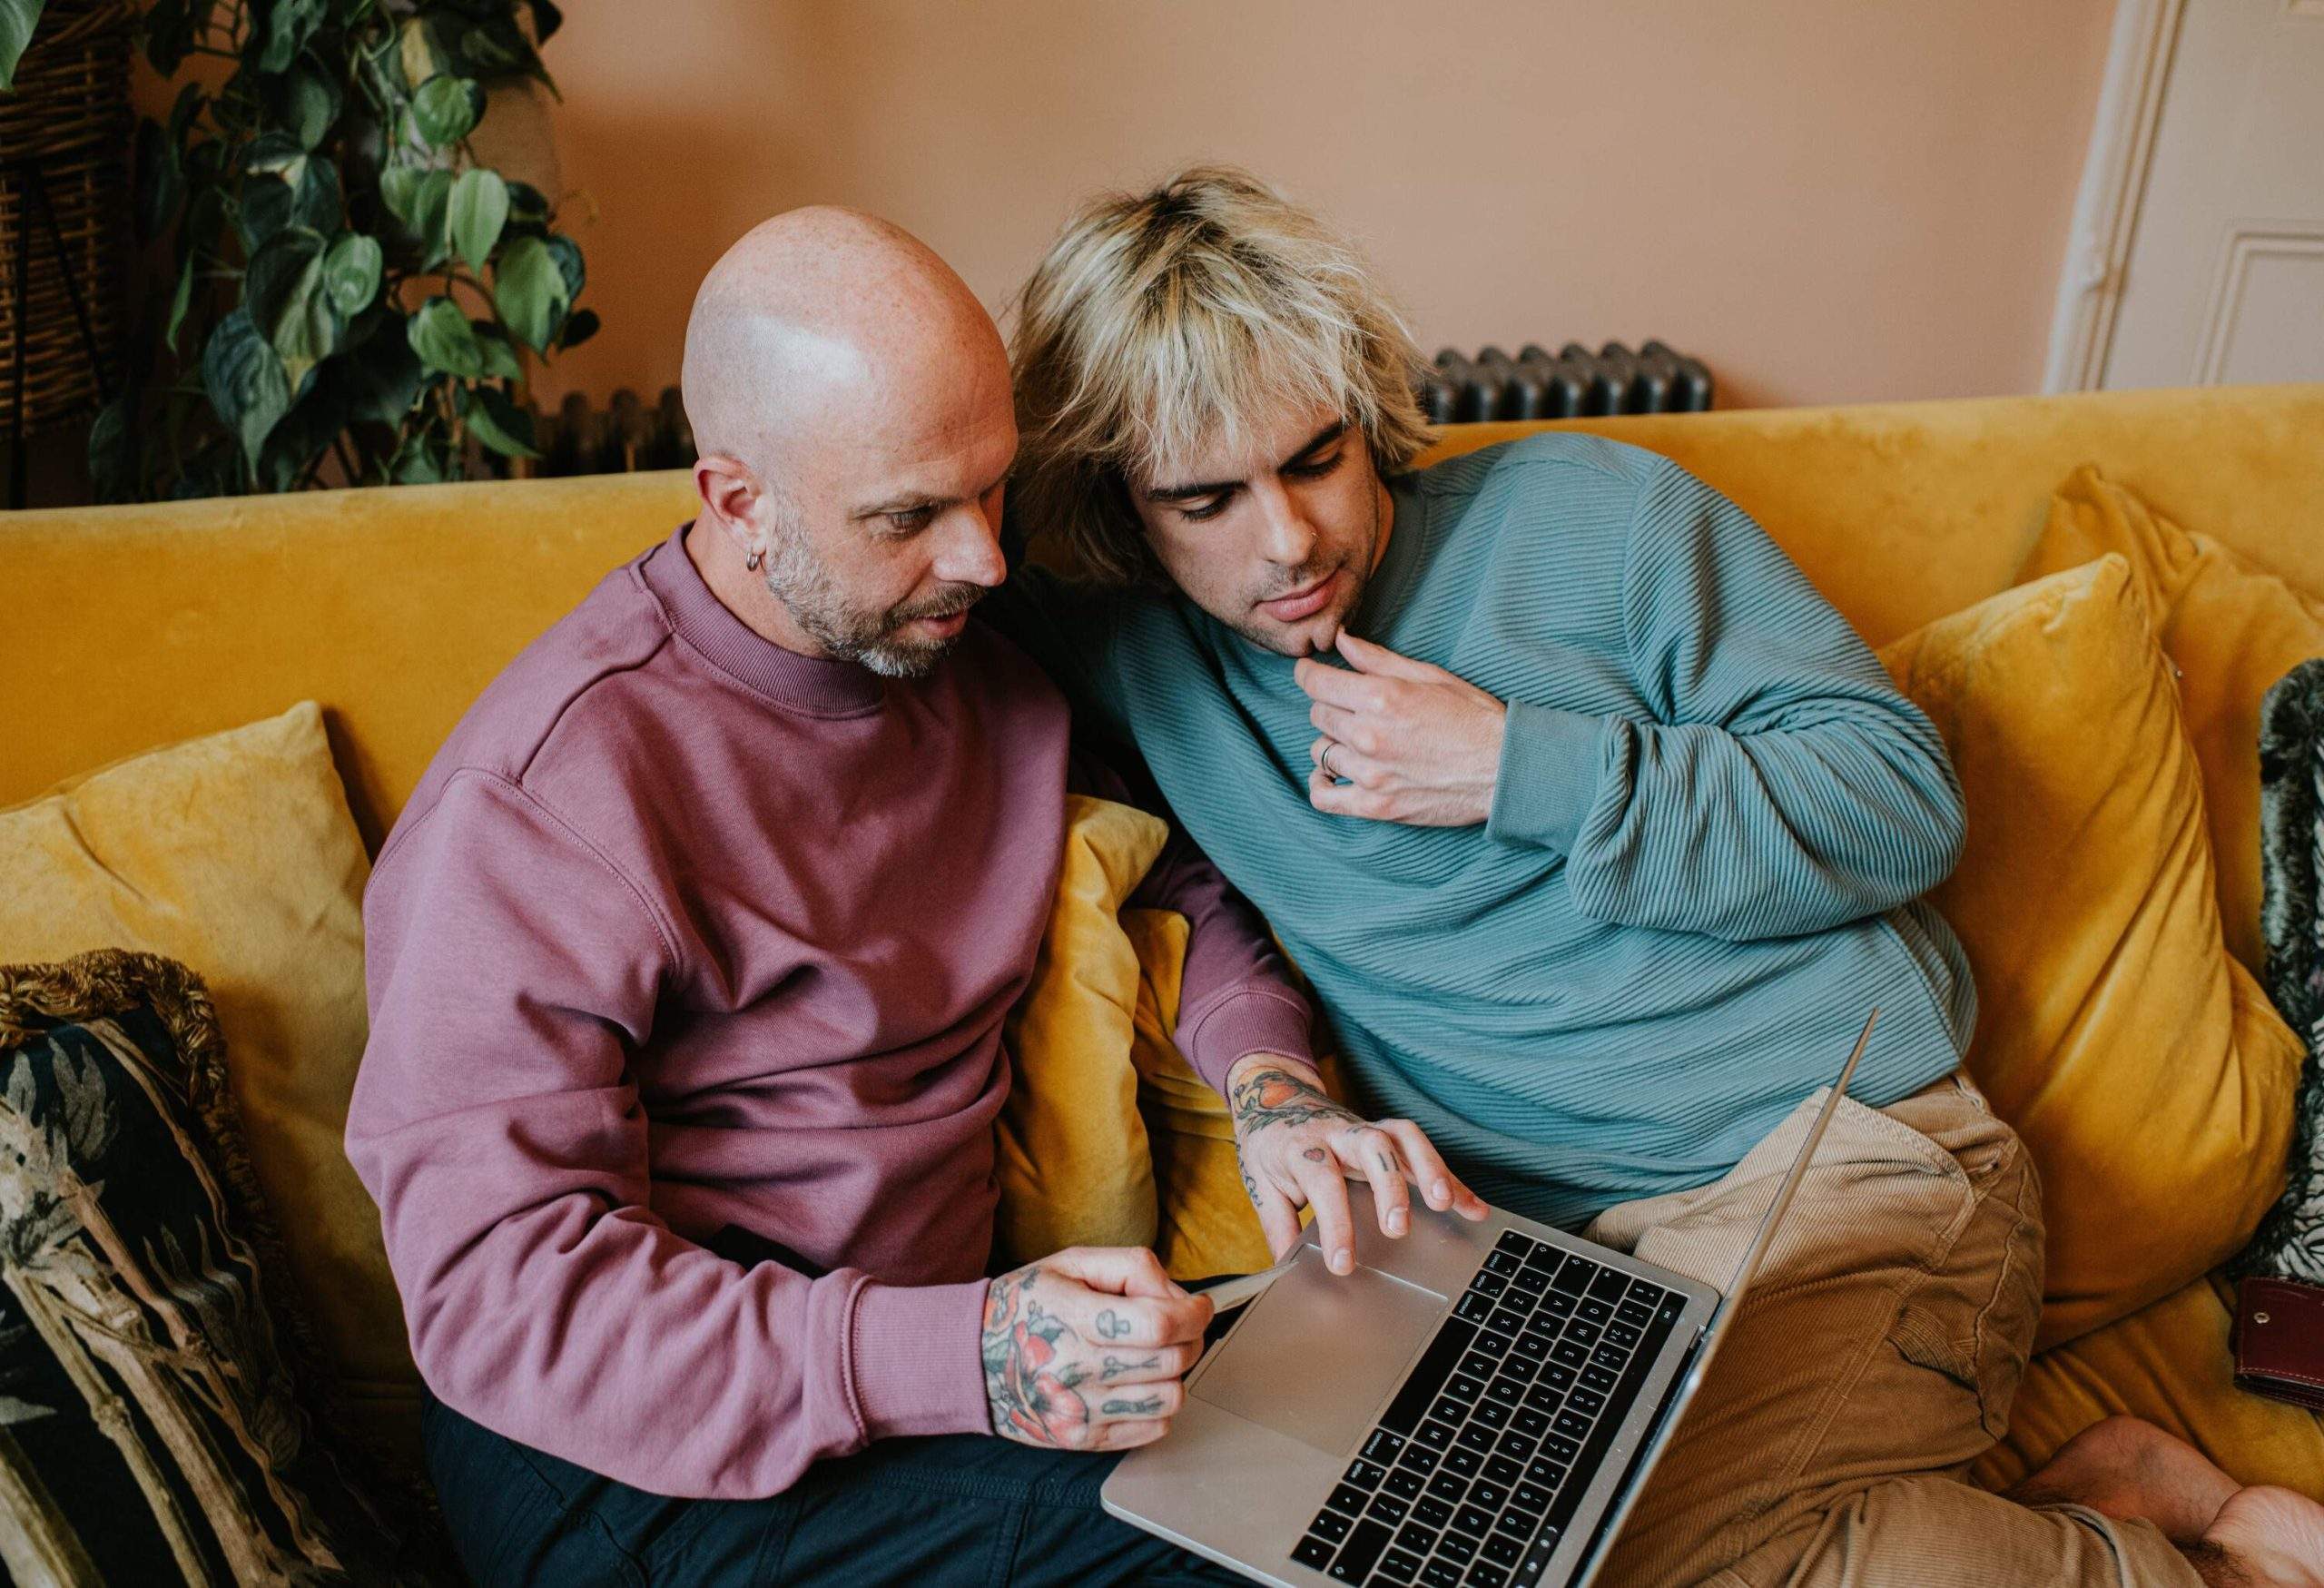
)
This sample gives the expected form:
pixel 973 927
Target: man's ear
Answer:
pixel 730 497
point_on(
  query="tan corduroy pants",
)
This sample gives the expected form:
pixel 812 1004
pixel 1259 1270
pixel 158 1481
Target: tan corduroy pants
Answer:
pixel 1874 1358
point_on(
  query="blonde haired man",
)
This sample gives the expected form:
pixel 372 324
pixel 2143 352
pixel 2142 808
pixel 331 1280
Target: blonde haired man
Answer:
pixel 1595 837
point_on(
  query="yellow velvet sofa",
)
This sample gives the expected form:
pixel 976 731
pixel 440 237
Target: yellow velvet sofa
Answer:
pixel 129 628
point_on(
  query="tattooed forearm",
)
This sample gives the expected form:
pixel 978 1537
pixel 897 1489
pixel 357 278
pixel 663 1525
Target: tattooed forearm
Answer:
pixel 1270 1095
pixel 1115 1368
pixel 1142 1408
pixel 1030 1402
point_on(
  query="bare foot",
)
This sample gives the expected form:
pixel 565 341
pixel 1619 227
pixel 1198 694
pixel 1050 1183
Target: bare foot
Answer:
pixel 2263 1538
pixel 2129 1468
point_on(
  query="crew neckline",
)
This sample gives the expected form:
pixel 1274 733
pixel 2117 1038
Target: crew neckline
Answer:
pixel 821 685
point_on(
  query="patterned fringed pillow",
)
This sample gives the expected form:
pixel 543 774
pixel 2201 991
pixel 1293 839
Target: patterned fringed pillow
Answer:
pixel 149 1431
pixel 2291 1240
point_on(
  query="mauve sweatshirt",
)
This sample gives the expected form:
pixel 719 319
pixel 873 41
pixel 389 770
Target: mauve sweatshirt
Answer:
pixel 684 931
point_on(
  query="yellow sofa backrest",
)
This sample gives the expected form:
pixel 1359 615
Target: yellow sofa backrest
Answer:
pixel 131 626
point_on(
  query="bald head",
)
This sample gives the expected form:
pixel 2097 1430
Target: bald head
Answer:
pixel 820 319
pixel 852 431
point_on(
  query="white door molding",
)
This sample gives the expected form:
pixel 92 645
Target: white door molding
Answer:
pixel 2113 182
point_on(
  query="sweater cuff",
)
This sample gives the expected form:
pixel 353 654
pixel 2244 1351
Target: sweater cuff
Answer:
pixel 1548 775
pixel 1254 1021
pixel 917 1359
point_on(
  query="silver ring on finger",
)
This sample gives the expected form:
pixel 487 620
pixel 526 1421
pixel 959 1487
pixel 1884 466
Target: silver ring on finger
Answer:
pixel 1330 746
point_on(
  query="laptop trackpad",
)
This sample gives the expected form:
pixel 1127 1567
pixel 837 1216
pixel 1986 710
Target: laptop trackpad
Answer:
pixel 1319 1355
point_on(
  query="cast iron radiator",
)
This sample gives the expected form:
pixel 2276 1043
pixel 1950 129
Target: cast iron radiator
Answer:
pixel 1538 384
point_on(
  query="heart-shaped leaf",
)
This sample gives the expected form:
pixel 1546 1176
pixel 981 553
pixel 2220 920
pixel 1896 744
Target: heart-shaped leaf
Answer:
pixel 446 109
pixel 351 270
pixel 245 382
pixel 479 209
pixel 529 291
pixel 497 422
pixel 441 334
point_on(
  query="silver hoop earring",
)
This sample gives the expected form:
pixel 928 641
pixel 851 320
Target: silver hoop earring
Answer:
pixel 755 560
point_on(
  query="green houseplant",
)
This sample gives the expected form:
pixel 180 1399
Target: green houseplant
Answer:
pixel 346 280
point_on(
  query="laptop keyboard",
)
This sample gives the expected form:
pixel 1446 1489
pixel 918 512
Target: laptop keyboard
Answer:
pixel 1474 1472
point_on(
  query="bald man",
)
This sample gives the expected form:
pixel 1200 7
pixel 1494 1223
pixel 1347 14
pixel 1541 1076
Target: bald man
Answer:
pixel 687 964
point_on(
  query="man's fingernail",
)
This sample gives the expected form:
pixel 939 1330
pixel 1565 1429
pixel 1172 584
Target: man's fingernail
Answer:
pixel 1342 1262
pixel 1396 1222
pixel 1440 1193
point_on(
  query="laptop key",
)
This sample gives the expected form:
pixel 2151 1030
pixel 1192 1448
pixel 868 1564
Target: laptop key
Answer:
pixel 1574 1277
pixel 1490 1414
pixel 1557 1303
pixel 1558 1376
pixel 1449 1488
pixel 1330 1525
pixel 1612 1356
pixel 1502 1262
pixel 1399 1566
pixel 1404 1483
pixel 1363 1474
pixel 1588 1402
pixel 1387 1508
pixel 1621 1334
pixel 1506 1390
pixel 1477 1366
pixel 1460 1551
pixel 1561 1449
pixel 1515 1241
pixel 1485 1574
pixel 1477 1437
pixel 1448 1410
pixel 1420 1458
pixel 1503 1551
pixel 1313 1552
pixel 1593 1309
pixel 1501 1470
pixel 1518 1447
pixel 1610 1283
pixel 1476 1308
pixel 1347 1497
pixel 1583 1332
pixel 1545 1397
pixel 1360 1553
pixel 1600 1379
pixel 1465 1389
pixel 1382 1446
pixel 1528 1496
pixel 1495 1346
pixel 1546 1472
pixel 1469 1520
pixel 1440 1574
pixel 1571 1354
pixel 1572 1424
pixel 1415 1537
pixel 1635 1313
pixel 1517 1524
pixel 1488 1495
pixel 1504 1322
pixel 1529 1421
pixel 1490 1284
pixel 1647 1294
pixel 1433 1435
pixel 1465 1462
pixel 1533 1343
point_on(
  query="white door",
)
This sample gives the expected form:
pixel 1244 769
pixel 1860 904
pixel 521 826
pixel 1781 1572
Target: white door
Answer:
pixel 2215 271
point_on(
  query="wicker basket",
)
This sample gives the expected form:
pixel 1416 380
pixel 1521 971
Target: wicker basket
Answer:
pixel 68 119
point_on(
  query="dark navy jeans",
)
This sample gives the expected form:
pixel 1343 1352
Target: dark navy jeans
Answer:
pixel 959 1509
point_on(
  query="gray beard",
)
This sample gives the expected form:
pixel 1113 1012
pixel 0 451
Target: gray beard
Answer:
pixel 795 577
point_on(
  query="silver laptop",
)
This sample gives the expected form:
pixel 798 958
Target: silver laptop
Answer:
pixel 1475 1404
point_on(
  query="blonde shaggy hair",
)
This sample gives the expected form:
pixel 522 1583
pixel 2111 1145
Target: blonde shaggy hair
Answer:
pixel 1166 323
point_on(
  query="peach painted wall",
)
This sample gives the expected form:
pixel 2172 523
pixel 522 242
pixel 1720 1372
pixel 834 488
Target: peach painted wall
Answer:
pixel 1830 201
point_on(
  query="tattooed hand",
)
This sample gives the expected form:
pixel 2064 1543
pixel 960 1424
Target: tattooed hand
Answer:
pixel 1084 1350
pixel 1299 1150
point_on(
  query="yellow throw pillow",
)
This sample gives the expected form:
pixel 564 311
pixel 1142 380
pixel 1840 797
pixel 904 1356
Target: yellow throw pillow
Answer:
pixel 2143 1066
pixel 2170 1363
pixel 1071 1159
pixel 2230 627
pixel 1207 1226
pixel 234 854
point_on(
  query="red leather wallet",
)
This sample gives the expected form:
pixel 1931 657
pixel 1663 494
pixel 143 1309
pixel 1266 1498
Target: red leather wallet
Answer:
pixel 2280 1340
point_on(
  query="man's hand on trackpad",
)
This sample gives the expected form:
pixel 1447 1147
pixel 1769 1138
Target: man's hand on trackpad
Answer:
pixel 1085 1350
pixel 1299 1150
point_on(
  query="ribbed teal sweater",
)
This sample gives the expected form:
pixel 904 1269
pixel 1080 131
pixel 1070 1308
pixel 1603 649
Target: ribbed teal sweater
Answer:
pixel 1714 817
